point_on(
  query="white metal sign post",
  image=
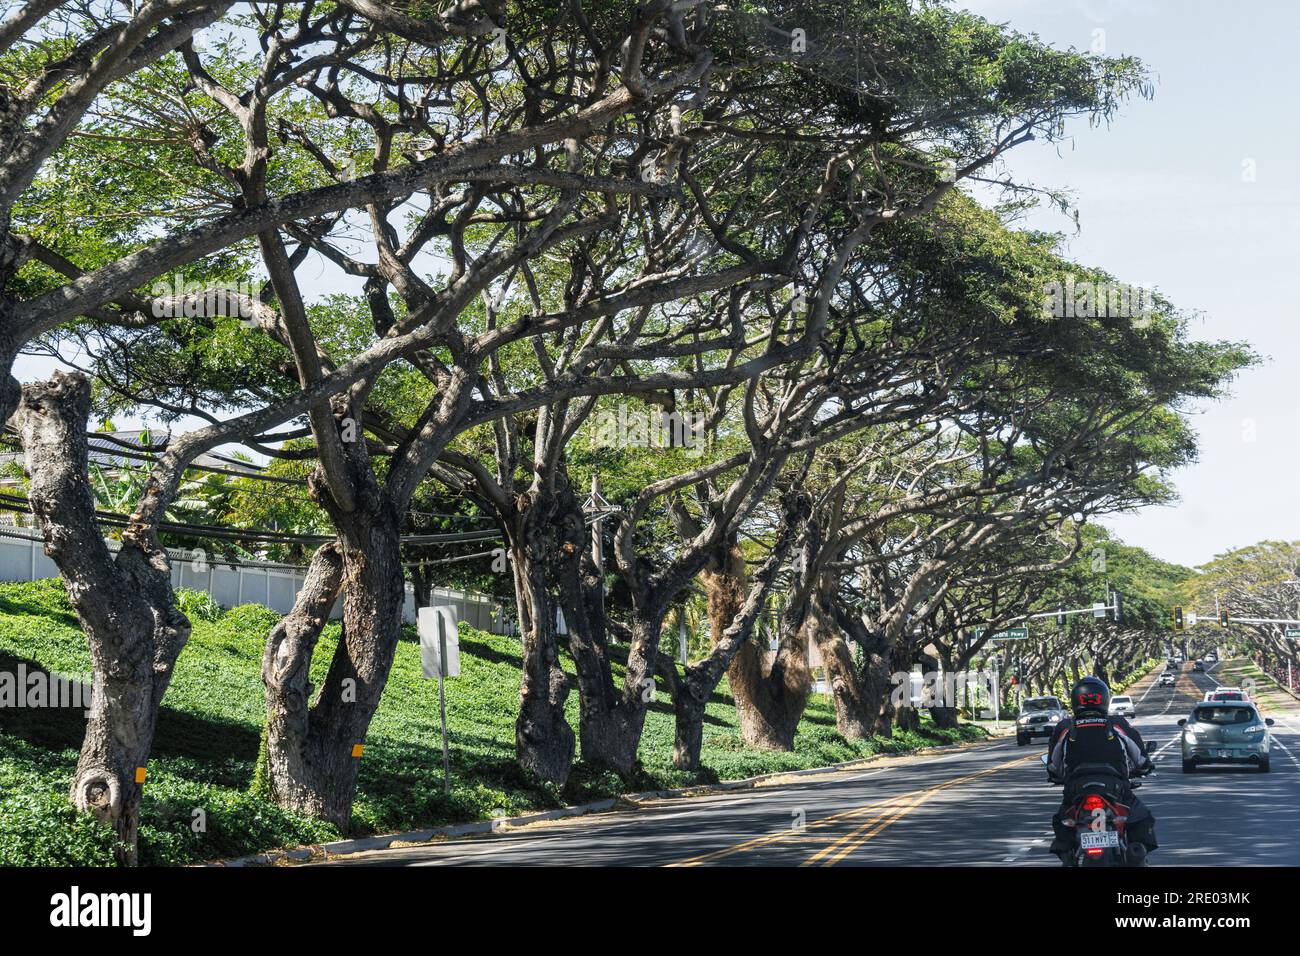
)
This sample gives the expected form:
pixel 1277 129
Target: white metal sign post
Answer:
pixel 440 657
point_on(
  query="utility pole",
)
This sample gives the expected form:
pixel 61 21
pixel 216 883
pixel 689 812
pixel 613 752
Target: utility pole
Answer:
pixel 598 509
pixel 597 541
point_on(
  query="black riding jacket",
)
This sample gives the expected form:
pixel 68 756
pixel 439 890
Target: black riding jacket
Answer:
pixel 1099 739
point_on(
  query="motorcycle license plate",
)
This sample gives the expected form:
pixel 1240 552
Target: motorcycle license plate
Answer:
pixel 1094 840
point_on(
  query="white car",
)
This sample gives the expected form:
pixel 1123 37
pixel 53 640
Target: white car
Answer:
pixel 1121 707
pixel 1227 693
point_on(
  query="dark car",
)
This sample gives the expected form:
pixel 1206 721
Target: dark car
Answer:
pixel 1038 718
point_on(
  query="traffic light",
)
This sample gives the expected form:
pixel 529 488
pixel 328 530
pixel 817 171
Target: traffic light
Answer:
pixel 1060 617
pixel 1118 604
pixel 1223 619
pixel 1178 619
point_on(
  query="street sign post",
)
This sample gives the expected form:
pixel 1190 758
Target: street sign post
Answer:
pixel 440 658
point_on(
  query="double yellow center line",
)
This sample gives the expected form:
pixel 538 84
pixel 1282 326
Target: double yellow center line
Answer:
pixel 881 816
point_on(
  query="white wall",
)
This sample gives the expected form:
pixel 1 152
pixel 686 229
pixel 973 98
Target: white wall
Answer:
pixel 274 585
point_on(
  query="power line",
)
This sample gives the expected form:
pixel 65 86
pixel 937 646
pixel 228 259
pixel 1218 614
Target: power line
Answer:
pixel 256 476
pixel 21 503
pixel 462 557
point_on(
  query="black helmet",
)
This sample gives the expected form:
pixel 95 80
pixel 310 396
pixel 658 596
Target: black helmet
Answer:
pixel 1090 696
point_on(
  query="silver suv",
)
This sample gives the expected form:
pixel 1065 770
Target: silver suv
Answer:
pixel 1225 731
pixel 1038 718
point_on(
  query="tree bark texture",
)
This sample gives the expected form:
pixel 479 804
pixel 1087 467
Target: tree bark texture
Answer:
pixel 125 605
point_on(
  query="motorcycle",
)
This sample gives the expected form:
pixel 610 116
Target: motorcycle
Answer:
pixel 1097 816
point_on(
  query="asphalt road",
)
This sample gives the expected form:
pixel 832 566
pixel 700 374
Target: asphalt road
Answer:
pixel 981 805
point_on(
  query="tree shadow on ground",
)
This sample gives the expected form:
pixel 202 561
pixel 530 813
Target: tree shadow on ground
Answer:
pixel 219 751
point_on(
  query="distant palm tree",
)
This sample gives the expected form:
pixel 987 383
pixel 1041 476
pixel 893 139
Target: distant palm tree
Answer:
pixel 689 617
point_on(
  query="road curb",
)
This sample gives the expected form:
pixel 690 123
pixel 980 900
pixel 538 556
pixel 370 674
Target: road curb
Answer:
pixel 383 842
pixel 428 835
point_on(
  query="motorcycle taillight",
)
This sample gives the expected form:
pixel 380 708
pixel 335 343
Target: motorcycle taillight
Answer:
pixel 1093 802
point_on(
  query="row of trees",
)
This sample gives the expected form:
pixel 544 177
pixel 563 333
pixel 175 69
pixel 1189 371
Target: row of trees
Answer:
pixel 1259 582
pixel 549 213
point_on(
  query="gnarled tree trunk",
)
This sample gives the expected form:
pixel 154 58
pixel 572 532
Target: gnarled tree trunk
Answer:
pixel 544 741
pixel 604 731
pixel 907 716
pixel 125 606
pixel 856 712
pixel 759 692
pixel 772 699
pixel 731 635
pixel 286 676
pixel 313 763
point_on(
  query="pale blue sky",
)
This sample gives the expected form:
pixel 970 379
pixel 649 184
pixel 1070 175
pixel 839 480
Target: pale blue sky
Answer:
pixel 1163 202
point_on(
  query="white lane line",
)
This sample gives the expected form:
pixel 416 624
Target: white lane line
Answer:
pixel 1028 848
pixel 1284 719
pixel 1285 749
pixel 1155 681
pixel 1172 741
pixel 1173 695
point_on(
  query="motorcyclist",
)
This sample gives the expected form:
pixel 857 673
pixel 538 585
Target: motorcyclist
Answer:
pixel 1093 736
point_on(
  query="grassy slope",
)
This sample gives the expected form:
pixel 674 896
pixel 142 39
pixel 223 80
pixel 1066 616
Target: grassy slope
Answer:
pixel 206 748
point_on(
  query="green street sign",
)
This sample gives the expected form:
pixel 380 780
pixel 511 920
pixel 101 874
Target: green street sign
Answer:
pixel 1292 632
pixel 1010 634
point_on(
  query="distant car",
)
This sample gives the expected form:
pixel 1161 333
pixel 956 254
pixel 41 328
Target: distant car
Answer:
pixel 1198 666
pixel 1168 679
pixel 1121 707
pixel 1225 731
pixel 1226 693
pixel 1038 718
pixel 1211 658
